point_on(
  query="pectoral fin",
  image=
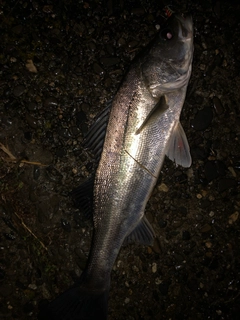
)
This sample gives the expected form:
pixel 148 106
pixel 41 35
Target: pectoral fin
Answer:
pixel 155 113
pixel 179 150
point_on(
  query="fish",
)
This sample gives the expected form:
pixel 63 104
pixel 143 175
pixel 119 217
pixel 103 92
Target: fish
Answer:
pixel 130 139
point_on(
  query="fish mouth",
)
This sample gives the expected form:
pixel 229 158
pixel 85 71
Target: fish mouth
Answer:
pixel 185 27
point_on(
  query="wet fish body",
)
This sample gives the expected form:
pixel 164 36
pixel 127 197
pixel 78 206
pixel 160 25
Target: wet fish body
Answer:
pixel 142 127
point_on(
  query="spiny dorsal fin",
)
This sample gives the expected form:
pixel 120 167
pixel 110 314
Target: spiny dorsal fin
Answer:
pixel 95 136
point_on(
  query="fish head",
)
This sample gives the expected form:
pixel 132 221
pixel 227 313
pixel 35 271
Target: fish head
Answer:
pixel 171 56
pixel 177 38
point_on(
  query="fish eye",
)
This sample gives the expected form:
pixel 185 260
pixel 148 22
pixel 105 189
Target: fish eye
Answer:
pixel 166 34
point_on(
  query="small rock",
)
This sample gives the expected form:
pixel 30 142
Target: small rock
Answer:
pixel 163 287
pixel 31 67
pixel 203 119
pixel 225 184
pixel 66 225
pixel 233 217
pixel 108 62
pixel 206 228
pixel 6 290
pixel 31 121
pixel 163 187
pixel 127 300
pixel 50 102
pixel 18 90
pixel 32 286
pixel 218 107
pixel 98 69
pixel 154 267
pixel 208 244
pixel 186 235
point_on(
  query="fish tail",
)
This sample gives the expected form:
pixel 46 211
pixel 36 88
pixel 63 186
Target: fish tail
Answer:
pixel 76 304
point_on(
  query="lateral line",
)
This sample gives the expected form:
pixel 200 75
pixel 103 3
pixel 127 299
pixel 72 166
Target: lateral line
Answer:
pixel 140 164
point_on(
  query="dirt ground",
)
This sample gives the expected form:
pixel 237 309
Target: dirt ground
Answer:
pixel 60 63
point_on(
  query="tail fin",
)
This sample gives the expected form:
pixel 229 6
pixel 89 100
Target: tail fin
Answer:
pixel 76 304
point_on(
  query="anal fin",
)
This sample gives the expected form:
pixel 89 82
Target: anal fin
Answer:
pixel 83 196
pixel 142 234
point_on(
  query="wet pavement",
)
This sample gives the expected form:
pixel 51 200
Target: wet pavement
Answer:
pixel 60 64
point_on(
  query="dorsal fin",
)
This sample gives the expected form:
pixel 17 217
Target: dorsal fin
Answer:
pixel 95 136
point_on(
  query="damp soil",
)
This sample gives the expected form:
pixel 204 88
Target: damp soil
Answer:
pixel 60 64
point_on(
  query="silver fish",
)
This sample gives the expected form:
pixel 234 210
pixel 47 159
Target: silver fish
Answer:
pixel 143 126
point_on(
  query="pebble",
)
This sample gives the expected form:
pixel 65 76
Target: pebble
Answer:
pixel 2 274
pixel 32 106
pixel 92 46
pixel 163 187
pixel 66 225
pixel 110 49
pixel 157 246
pixel 31 121
pixel 98 69
pixel 60 152
pixel 226 183
pixel 81 117
pixel 127 300
pixel 32 286
pixel 208 244
pixel 64 133
pixel 10 236
pixel 53 174
pixel 233 217
pixel 163 287
pixel 121 42
pixel 214 169
pixel 108 62
pixel 232 172
pixel 18 90
pixel 186 235
pixel 28 307
pixel 133 44
pixel 137 11
pixel 154 267
pixel 218 107
pixel 6 290
pixel 36 172
pixel 30 66
pixel 199 217
pixel 162 223
pixel 18 29
pixel 50 102
pixel 205 228
pixel 203 119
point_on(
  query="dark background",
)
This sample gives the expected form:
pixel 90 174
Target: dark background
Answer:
pixel 81 50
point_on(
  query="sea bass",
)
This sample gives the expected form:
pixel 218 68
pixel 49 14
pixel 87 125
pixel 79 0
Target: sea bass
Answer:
pixel 142 126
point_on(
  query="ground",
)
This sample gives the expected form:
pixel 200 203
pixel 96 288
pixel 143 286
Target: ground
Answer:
pixel 60 63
